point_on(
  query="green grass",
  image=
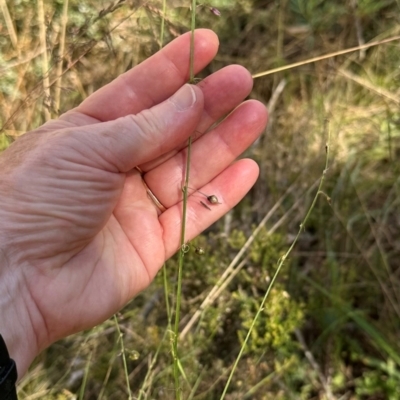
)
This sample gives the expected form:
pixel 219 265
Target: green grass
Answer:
pixel 330 325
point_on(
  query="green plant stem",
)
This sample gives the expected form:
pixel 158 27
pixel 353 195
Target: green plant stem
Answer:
pixel 183 245
pixel 85 377
pixel 281 262
pixel 45 60
pixel 183 250
pixel 192 28
pixel 64 22
pixel 166 294
pixel 120 337
pixel 164 11
pixel 165 275
pixel 164 268
pixel 152 364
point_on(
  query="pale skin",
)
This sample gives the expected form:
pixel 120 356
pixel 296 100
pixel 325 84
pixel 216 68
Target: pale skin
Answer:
pixel 79 236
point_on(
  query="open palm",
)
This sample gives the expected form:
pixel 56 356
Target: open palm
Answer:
pixel 81 236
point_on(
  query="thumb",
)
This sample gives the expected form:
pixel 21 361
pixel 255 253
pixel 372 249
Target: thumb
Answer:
pixel 135 139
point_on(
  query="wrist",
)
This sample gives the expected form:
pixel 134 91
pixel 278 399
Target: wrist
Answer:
pixel 16 324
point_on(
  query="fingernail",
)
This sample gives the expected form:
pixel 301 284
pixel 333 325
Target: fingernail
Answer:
pixel 184 98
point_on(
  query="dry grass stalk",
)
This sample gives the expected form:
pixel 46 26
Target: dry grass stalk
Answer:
pixel 325 57
pixel 9 24
pixel 368 85
pixel 45 61
pixel 64 21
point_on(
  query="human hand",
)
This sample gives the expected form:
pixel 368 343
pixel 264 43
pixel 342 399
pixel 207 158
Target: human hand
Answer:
pixel 79 235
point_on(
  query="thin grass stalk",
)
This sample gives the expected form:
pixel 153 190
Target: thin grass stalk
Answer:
pixel 121 339
pixel 165 276
pixel 183 250
pixel 45 61
pixel 314 364
pixel 191 60
pixel 162 33
pixel 324 57
pixel 146 380
pixel 386 94
pixel 10 25
pixel 164 268
pixel 85 377
pixel 196 386
pixel 21 61
pixel 64 21
pixel 183 245
pixel 375 235
pixel 107 377
pixel 281 262
pixel 166 295
pixel 281 27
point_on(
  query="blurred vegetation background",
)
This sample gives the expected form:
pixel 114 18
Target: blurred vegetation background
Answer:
pixel 331 327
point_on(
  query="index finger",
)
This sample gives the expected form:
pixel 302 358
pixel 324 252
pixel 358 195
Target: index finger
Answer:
pixel 152 81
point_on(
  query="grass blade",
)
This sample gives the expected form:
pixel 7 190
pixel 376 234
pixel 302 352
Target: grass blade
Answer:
pixel 279 267
pixel 183 245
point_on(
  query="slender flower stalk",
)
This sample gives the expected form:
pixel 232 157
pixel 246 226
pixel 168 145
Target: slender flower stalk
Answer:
pixel 164 268
pixel 184 246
